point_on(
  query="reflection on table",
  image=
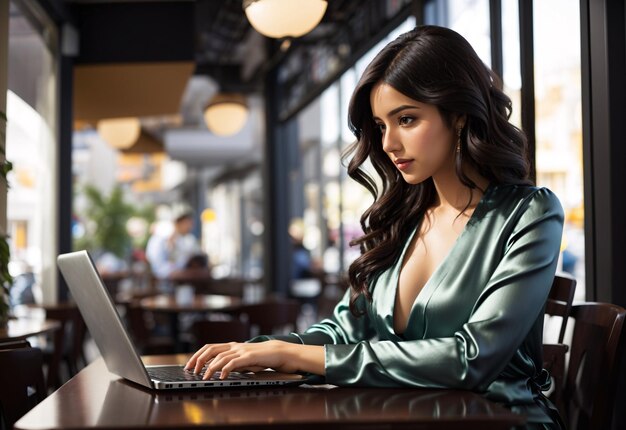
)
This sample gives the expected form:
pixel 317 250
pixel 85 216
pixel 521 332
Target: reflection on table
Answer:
pixel 96 399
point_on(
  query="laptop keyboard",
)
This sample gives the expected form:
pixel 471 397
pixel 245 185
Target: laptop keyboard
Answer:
pixel 179 374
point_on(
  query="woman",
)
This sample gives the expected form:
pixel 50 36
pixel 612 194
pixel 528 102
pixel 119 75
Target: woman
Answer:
pixel 459 250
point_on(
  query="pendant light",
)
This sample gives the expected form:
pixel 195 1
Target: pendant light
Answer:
pixel 120 133
pixel 284 18
pixel 226 114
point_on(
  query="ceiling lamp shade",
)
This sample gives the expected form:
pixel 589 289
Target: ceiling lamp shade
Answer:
pixel 146 143
pixel 120 133
pixel 284 18
pixel 226 114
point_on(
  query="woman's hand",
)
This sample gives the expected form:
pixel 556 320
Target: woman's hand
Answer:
pixel 281 356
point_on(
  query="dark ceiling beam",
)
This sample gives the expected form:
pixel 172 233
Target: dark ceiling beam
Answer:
pixel 229 78
pixel 157 31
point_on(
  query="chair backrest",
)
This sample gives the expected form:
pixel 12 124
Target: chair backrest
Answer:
pixel 272 314
pixel 554 362
pixel 560 300
pixel 139 326
pixel 207 331
pixel 591 382
pixel 225 287
pixel 72 323
pixel 21 372
pixel 14 344
pixel 559 304
pixel 136 323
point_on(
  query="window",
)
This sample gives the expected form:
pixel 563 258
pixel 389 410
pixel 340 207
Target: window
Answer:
pixel 31 145
pixel 558 122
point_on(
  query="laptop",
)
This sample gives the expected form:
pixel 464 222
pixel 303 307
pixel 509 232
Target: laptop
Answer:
pixel 119 354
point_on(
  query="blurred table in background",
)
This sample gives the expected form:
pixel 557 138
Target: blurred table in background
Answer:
pixel 22 328
pixel 171 303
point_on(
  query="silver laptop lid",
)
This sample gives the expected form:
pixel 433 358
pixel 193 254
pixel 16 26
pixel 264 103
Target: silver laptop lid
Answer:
pixel 101 317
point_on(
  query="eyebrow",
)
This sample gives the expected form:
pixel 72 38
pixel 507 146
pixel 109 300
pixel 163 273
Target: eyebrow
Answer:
pixel 398 109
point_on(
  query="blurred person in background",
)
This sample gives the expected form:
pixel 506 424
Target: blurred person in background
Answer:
pixel 302 262
pixel 179 250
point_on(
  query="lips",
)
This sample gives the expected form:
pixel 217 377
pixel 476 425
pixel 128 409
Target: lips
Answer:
pixel 402 163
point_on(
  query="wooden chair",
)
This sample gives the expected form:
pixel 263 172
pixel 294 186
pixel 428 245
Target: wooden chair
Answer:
pixel 138 322
pixel 559 304
pixel 591 382
pixel 14 344
pixel 207 331
pixel 73 330
pixel 145 341
pixel 334 288
pixel 21 372
pixel 112 281
pixel 560 300
pixel 272 315
pixel 308 290
pixel 225 287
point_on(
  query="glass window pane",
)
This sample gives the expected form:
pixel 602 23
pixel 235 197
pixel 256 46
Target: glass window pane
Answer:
pixel 31 144
pixel 512 79
pixel 559 122
pixel 468 17
pixel 347 84
pixel 471 19
pixel 330 109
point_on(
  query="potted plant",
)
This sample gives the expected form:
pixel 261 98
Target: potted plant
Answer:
pixel 106 218
pixel 5 251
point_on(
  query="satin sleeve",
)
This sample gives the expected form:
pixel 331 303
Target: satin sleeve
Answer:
pixel 340 328
pixel 500 320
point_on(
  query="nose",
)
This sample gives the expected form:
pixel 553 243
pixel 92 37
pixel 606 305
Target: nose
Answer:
pixel 390 140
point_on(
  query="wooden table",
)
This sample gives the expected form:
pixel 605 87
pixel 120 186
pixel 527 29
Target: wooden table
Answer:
pixel 23 328
pixel 97 399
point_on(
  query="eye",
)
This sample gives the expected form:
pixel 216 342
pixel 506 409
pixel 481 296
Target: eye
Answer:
pixel 380 127
pixel 405 120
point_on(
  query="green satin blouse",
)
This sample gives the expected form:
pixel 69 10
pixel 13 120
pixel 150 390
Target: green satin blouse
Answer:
pixel 477 323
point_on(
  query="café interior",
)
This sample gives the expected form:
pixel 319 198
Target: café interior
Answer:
pixel 123 121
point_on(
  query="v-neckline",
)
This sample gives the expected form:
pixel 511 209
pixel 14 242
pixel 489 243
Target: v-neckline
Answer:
pixel 437 273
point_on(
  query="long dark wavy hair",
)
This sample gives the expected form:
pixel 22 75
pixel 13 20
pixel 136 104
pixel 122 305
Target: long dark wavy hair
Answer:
pixel 437 66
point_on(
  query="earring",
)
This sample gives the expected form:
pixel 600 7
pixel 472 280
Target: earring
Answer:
pixel 458 142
